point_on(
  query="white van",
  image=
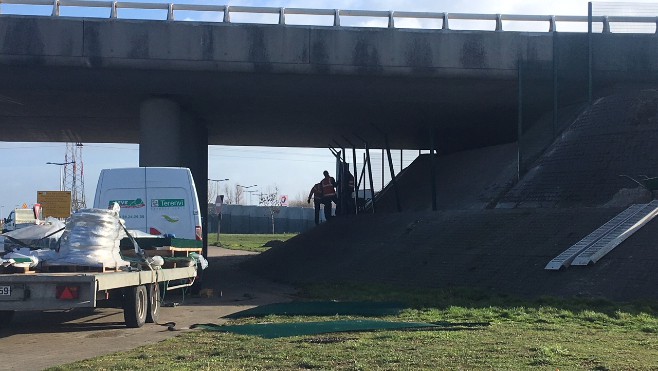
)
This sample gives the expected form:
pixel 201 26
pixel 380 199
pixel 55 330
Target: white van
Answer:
pixel 19 218
pixel 155 200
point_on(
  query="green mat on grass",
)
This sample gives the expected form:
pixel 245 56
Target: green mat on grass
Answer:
pixel 322 308
pixel 276 330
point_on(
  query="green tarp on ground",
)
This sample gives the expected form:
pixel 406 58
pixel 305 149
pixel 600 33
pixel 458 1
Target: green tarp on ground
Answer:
pixel 322 308
pixel 276 330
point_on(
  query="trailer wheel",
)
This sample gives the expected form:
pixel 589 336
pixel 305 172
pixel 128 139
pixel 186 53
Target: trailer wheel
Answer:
pixel 135 306
pixel 153 312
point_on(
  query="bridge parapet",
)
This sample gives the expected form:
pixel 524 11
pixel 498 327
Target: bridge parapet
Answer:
pixel 498 21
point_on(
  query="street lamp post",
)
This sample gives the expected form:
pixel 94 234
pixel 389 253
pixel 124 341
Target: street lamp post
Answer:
pixel 219 214
pixel 217 181
pixel 250 192
pixel 246 187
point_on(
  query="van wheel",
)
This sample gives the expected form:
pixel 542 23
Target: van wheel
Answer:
pixel 135 306
pixel 153 313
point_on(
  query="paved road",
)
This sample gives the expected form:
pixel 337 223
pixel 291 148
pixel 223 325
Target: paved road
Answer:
pixel 36 340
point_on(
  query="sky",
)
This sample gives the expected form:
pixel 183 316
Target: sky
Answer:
pixel 292 170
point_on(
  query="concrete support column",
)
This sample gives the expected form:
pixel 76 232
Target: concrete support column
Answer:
pixel 194 155
pixel 159 133
pixel 170 136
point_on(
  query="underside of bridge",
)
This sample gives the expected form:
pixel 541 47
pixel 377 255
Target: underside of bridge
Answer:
pixel 70 104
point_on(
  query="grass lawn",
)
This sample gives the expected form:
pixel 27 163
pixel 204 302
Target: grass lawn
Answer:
pixel 546 334
pixel 247 242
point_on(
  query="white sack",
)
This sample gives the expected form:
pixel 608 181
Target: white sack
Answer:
pixel 92 237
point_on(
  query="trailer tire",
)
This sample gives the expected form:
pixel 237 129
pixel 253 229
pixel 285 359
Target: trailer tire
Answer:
pixel 153 312
pixel 135 306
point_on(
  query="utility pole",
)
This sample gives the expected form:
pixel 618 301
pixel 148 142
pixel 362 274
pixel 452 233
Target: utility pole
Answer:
pixel 74 175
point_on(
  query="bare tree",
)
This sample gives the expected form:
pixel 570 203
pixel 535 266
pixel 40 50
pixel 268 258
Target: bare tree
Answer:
pixel 228 194
pixel 239 192
pixel 300 201
pixel 270 198
pixel 212 192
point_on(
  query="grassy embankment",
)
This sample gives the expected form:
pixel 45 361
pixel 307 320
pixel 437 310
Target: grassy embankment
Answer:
pixel 247 242
pixel 545 334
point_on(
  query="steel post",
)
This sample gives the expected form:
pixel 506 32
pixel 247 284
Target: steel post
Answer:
pixel 372 186
pixel 432 170
pixel 519 126
pixel 356 187
pixel 390 166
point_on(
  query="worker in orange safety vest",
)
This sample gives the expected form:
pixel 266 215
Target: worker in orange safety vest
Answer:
pixel 347 190
pixel 316 193
pixel 328 194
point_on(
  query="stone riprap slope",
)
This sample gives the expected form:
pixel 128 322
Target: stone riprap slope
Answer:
pixel 617 136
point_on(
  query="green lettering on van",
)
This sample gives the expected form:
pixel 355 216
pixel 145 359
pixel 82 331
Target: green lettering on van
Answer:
pixel 168 202
pixel 128 204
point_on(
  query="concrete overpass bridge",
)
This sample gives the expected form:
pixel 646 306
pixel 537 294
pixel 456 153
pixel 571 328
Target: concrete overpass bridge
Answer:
pixel 94 80
pixel 174 87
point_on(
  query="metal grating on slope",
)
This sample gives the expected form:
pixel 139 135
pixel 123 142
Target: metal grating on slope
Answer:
pixel 616 236
pixel 566 257
pixel 605 238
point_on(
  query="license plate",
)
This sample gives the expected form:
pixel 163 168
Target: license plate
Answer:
pixel 5 290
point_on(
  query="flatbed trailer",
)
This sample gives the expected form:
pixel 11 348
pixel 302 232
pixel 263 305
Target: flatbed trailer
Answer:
pixel 137 292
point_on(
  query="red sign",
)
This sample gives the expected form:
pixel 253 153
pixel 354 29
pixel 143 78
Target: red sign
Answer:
pixel 284 200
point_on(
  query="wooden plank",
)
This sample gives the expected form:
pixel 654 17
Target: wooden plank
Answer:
pixel 166 251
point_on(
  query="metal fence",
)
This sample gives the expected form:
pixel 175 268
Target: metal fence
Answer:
pixel 584 68
pixel 550 95
pixel 624 65
pixel 257 219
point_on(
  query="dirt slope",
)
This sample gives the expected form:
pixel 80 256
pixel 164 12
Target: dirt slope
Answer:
pixel 464 180
pixel 502 251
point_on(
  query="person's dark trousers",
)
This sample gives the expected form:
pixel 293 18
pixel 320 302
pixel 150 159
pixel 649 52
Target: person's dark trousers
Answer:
pixel 317 204
pixel 327 206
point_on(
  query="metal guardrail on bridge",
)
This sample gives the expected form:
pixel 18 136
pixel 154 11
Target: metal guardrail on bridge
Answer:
pixel 337 14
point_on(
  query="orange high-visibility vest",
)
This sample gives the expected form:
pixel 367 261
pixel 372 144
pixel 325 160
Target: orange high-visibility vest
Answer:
pixel 316 192
pixel 328 187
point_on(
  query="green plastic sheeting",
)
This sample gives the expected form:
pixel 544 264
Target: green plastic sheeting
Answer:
pixel 277 330
pixel 322 308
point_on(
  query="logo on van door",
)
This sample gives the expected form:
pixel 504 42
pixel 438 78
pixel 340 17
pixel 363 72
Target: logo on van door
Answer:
pixel 171 219
pixel 168 202
pixel 128 204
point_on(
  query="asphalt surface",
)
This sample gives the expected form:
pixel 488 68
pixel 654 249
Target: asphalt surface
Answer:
pixel 37 340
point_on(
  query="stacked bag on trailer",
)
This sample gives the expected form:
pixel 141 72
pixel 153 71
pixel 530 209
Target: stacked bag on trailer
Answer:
pixel 92 238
